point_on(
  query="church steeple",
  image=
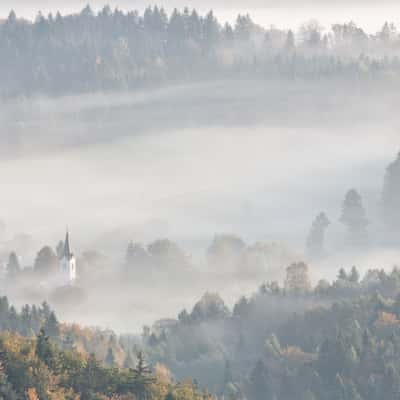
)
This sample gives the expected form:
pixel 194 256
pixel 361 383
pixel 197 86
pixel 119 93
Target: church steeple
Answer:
pixel 67 264
pixel 67 249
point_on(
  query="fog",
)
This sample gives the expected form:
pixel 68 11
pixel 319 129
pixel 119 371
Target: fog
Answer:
pixel 200 158
pixel 256 159
pixel 200 205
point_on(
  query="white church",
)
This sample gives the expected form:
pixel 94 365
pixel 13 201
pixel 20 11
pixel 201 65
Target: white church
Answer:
pixel 67 265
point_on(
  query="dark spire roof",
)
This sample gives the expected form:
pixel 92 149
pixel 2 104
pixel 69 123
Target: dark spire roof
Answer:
pixel 67 249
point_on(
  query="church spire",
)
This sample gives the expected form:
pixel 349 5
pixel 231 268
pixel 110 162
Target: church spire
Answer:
pixel 67 249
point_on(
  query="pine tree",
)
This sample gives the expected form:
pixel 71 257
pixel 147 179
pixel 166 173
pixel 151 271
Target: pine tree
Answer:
pixel 354 217
pixel 342 276
pixel 90 378
pixel 51 326
pixel 45 311
pixel 290 41
pixel 26 320
pixel 142 377
pixel 44 349
pixel 391 196
pixel 13 266
pixel 13 320
pixel 354 275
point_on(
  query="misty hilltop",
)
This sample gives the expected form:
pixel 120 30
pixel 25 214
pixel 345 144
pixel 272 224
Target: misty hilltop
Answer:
pixel 116 50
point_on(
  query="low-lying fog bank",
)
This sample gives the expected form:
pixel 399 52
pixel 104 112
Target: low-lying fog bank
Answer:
pixel 258 160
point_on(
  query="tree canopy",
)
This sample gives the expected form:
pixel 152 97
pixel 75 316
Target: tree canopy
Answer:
pixel 116 50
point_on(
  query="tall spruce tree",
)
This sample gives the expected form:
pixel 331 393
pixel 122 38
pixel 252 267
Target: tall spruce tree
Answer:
pixel 51 326
pixel 391 196
pixel 44 349
pixel 354 217
pixel 13 266
pixel 143 377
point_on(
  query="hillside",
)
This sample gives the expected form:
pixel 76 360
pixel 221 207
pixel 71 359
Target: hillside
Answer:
pixel 36 369
pixel 116 50
pixel 336 340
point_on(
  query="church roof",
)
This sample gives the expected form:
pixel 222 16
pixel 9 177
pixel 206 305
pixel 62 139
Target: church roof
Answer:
pixel 67 249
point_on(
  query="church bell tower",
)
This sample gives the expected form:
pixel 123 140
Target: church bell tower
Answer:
pixel 68 263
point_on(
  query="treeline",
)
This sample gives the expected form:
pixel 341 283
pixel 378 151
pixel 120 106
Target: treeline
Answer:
pixel 115 50
pixel 349 351
pixel 33 369
pixel 30 320
pixel 41 358
pixel 227 252
pixel 338 340
pixel 355 219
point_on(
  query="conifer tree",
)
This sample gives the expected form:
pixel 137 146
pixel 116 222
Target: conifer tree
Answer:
pixel 44 349
pixel 354 275
pixel 342 275
pixel 142 377
pixel 13 266
pixel 391 196
pixel 354 217
pixel 290 40
pixel 51 326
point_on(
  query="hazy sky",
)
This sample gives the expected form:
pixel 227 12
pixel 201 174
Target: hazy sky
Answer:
pixel 284 13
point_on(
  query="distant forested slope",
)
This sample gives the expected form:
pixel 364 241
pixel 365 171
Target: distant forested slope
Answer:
pixel 340 340
pixel 114 50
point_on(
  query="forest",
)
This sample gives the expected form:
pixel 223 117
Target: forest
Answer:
pixel 292 338
pixel 195 209
pixel 36 369
pixel 116 50
pixel 336 340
